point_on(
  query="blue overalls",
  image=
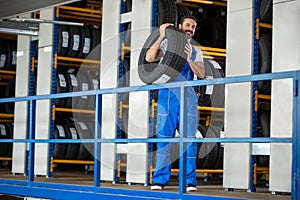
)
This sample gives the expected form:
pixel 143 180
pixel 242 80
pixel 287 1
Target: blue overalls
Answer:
pixel 168 118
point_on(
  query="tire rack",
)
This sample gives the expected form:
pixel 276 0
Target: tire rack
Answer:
pixel 6 117
pixel 90 15
pixel 6 75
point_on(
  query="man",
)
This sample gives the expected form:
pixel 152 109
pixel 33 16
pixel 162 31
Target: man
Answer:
pixel 168 114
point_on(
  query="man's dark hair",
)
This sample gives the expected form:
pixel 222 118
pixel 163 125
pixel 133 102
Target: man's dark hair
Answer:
pixel 187 17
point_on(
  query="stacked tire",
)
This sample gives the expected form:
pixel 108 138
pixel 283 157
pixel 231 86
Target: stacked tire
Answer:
pixel 6 132
pixel 72 80
pixel 78 42
pixel 8 91
pixel 211 95
pixel 210 155
pixel 67 128
pixel 8 54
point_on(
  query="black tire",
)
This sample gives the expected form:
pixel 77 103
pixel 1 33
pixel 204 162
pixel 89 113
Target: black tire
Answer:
pixel 59 148
pixel 93 85
pixel 266 11
pixel 210 32
pixel 219 161
pixel 172 61
pixel 81 102
pixel 96 40
pixel 4 134
pixel 127 35
pixel 83 133
pixel 265 51
pixel 263 161
pixel 181 12
pixel 264 119
pixel 3 54
pixel 72 84
pixel 10 132
pixel 91 129
pixel 72 148
pixel 216 97
pixel 126 78
pixel 86 41
pixel 204 99
pixel 200 160
pixel 209 150
pixel 10 92
pixel 75 41
pixel 124 125
pixel 2 95
pixel 11 54
pixel 61 87
pixel 167 12
pixel 128 5
pixel 224 27
pixel 63 40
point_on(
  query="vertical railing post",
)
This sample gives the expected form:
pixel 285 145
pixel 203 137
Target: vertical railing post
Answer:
pixel 182 144
pixel 31 143
pixel 97 145
pixel 296 138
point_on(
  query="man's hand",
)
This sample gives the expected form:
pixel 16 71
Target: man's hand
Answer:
pixel 162 29
pixel 188 51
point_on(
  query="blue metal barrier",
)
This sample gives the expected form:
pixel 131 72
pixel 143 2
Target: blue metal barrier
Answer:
pixel 67 191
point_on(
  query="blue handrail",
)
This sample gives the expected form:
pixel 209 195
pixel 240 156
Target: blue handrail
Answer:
pixel 46 190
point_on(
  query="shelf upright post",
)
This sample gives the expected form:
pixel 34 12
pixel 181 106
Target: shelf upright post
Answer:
pixel 53 91
pixel 120 84
pixel 254 90
pixel 31 91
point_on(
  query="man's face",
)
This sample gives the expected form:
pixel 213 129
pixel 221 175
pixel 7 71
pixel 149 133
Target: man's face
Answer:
pixel 188 27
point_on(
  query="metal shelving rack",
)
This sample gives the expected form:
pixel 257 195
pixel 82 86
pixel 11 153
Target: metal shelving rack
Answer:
pixel 89 15
pixel 5 76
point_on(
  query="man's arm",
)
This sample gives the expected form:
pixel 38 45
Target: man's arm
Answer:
pixel 154 53
pixel 198 66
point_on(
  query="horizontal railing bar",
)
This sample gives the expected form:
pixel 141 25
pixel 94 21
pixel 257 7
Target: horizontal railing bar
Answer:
pixel 155 140
pixel 226 80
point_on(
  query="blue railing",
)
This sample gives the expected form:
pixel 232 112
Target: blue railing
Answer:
pixel 32 188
